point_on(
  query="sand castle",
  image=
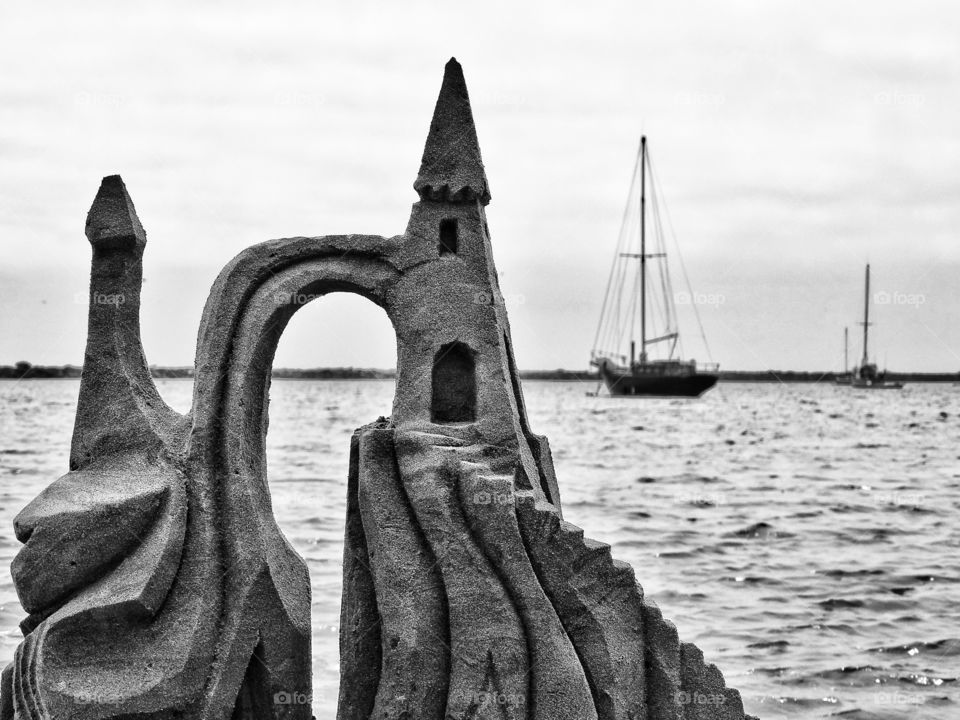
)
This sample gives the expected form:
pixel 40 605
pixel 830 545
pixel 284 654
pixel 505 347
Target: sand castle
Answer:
pixel 158 584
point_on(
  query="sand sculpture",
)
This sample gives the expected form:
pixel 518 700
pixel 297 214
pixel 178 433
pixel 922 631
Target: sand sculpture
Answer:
pixel 159 586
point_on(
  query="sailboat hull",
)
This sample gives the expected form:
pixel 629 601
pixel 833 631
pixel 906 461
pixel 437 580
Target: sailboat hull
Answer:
pixel 623 383
pixel 876 384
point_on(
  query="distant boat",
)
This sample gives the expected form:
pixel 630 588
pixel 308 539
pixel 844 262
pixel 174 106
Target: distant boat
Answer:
pixel 866 374
pixel 846 378
pixel 659 371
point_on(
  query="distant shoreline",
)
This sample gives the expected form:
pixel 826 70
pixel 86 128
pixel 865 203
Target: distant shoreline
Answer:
pixel 43 372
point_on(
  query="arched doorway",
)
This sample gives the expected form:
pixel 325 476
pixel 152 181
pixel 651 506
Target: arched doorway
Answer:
pixel 454 385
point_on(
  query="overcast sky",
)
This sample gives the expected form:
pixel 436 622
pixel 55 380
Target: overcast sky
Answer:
pixel 794 143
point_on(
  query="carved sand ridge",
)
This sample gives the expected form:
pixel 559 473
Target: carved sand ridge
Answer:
pixel 159 586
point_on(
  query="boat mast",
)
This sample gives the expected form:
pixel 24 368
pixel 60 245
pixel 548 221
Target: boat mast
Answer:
pixel 866 315
pixel 643 250
pixel 846 344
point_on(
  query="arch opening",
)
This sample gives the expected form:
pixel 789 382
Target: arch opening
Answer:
pixel 342 350
pixel 448 237
pixel 454 388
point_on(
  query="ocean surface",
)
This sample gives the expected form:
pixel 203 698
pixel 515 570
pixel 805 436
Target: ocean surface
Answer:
pixel 805 536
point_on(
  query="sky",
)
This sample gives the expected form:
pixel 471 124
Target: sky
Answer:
pixel 794 142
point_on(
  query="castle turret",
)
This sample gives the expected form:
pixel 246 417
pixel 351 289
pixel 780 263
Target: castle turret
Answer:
pixel 449 219
pixel 119 407
pixel 455 360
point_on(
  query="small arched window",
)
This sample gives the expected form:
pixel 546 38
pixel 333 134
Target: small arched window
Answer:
pixel 454 385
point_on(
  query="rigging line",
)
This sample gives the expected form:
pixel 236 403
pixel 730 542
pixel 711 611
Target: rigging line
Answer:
pixel 653 308
pixel 668 310
pixel 638 268
pixel 626 314
pixel 666 279
pixel 616 318
pixel 618 327
pixel 686 277
pixel 610 316
pixel 617 256
pixel 664 267
pixel 669 295
pixel 626 304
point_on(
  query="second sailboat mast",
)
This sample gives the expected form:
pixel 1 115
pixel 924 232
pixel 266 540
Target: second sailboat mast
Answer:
pixel 643 250
pixel 866 316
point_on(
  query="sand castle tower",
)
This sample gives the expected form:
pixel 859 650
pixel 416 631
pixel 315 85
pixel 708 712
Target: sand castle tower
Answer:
pixel 454 347
pixel 160 586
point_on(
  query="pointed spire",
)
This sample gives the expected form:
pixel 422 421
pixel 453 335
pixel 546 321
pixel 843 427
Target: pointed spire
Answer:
pixel 451 169
pixel 118 407
pixel 112 222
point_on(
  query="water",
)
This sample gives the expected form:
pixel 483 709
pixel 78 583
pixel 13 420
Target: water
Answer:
pixel 804 536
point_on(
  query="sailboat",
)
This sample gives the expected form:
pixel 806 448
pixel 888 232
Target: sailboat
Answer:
pixel 629 301
pixel 866 374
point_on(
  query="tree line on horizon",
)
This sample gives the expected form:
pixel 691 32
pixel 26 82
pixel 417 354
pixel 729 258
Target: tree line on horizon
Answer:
pixel 24 370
